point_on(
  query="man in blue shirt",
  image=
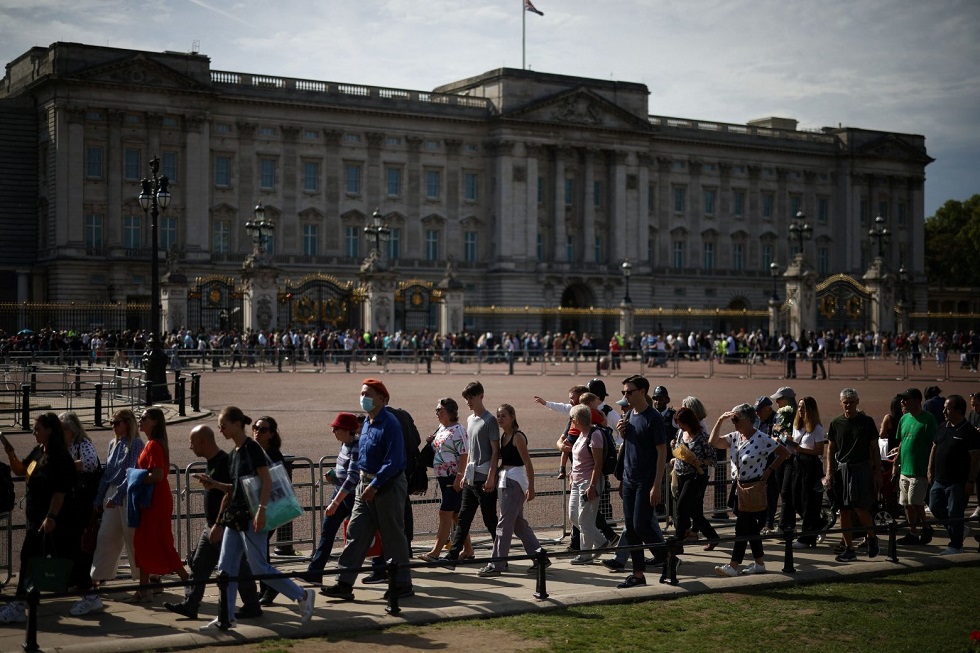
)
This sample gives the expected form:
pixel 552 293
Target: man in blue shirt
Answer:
pixel 379 504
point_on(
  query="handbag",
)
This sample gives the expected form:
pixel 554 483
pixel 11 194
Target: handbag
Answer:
pixel 418 477
pixel 283 507
pixel 47 572
pixel 751 496
pixel 428 455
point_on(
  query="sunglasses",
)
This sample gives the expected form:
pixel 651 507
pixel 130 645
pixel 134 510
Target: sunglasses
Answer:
pixel 261 429
pixel 626 392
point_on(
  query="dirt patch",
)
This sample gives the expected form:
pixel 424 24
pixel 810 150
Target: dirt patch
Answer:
pixel 395 640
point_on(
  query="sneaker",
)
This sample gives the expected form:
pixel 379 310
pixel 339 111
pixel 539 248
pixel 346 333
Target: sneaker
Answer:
pixel 89 604
pixel 976 513
pixel 375 578
pixel 840 547
pixel 488 571
pixel 754 568
pixel 727 570
pixel 950 551
pixel 926 536
pixel 613 565
pixel 182 609
pixel 802 545
pixel 214 625
pixel 613 541
pixel 908 538
pixel 304 606
pixel 338 590
pixel 268 597
pixel 768 530
pixel 448 563
pixel 874 547
pixel 285 551
pixel 13 613
pixel 249 612
pixel 632 581
pixel 533 569
pixel 847 556
pixel 582 560
pixel 402 592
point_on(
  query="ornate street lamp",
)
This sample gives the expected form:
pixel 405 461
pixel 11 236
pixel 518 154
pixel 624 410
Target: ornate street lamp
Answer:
pixel 379 232
pixel 261 230
pixel 627 271
pixel 774 271
pixel 880 234
pixel 154 197
pixel 903 279
pixel 800 231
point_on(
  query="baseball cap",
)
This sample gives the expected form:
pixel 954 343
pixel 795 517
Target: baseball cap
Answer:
pixel 762 402
pixel 784 392
pixel 911 393
pixel 661 391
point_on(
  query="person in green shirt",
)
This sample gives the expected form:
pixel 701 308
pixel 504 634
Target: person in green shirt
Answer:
pixel 916 432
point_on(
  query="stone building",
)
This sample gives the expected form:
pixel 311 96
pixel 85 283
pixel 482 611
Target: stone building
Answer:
pixel 534 187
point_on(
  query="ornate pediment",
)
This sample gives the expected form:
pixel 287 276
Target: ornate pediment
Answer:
pixel 579 108
pixel 140 70
pixel 895 148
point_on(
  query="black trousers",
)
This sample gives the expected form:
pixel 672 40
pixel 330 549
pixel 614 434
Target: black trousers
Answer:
pixel 474 497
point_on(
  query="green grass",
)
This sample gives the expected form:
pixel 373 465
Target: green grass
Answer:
pixel 920 612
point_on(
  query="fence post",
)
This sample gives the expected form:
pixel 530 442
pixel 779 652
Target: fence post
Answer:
pixel 148 390
pixel 78 380
pixel 392 607
pixel 33 605
pixel 223 622
pixel 668 575
pixel 279 359
pixel 98 404
pixel 541 586
pixel 25 406
pixel 892 544
pixel 788 566
pixel 179 391
pixel 33 378
pixel 195 392
pixel 510 363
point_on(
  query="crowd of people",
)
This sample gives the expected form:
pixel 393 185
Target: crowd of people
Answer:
pixel 778 457
pixel 319 347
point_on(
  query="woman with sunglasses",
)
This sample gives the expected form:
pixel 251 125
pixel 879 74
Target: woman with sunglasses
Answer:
pixel 50 476
pixel 804 473
pixel 111 500
pixel 154 538
pixel 88 472
pixel 265 431
pixel 449 456
pixel 243 531
pixel 749 449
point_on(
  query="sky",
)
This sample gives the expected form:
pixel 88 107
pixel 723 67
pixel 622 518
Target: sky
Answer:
pixel 895 65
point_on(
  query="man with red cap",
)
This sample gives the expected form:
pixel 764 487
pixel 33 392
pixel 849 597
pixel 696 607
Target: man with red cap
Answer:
pixel 379 502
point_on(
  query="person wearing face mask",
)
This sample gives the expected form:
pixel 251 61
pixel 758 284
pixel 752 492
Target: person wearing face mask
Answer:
pixel 379 504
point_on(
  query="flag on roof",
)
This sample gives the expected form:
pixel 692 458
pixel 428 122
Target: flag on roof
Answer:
pixel 528 6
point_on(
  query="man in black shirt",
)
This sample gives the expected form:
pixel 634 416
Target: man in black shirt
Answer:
pixel 205 556
pixel 953 464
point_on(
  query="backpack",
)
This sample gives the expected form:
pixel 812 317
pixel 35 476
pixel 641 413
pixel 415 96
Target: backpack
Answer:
pixel 609 453
pixel 7 494
pixel 415 470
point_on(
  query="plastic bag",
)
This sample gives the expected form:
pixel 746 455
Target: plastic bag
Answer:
pixel 283 507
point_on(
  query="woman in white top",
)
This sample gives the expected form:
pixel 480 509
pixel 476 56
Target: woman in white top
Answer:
pixel 804 472
pixel 749 450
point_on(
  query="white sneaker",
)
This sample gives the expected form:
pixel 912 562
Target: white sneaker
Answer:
pixel 304 606
pixel 215 626
pixel 13 613
pixel 950 551
pixel 86 605
pixel 755 568
pixel 801 545
pixel 727 570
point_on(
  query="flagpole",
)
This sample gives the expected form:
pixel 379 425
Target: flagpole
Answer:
pixel 523 36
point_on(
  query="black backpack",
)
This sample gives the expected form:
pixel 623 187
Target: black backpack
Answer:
pixel 609 453
pixel 7 494
pixel 415 470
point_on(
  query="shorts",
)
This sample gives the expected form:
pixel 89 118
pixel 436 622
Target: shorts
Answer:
pixel 452 500
pixel 912 490
pixel 854 486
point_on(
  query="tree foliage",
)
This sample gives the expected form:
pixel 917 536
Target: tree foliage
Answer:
pixel 953 244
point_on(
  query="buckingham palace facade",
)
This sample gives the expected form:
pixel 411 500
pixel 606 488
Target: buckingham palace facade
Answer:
pixel 534 187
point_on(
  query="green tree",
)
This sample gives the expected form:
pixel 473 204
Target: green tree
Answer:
pixel 953 244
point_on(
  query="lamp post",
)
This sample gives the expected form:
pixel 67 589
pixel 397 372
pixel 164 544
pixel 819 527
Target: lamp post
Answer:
pixel 800 231
pixel 378 231
pixel 880 233
pixel 627 271
pixel 154 197
pixel 261 230
pixel 903 277
pixel 774 271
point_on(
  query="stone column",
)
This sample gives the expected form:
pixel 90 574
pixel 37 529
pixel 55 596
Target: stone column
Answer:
pixel 379 304
pixel 773 318
pixel 451 305
pixel 261 285
pixel 559 234
pixel 196 181
pixel 173 300
pixel 616 223
pixel 589 157
pixel 801 297
pixel 23 286
pixel 626 314
pixel 882 287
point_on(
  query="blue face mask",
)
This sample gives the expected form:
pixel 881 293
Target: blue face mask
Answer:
pixel 367 404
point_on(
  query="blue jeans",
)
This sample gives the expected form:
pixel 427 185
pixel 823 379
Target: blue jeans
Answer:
pixel 328 532
pixel 948 501
pixel 642 525
pixel 234 545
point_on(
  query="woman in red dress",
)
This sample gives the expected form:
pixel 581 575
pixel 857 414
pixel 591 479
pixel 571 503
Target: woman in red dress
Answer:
pixel 154 537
